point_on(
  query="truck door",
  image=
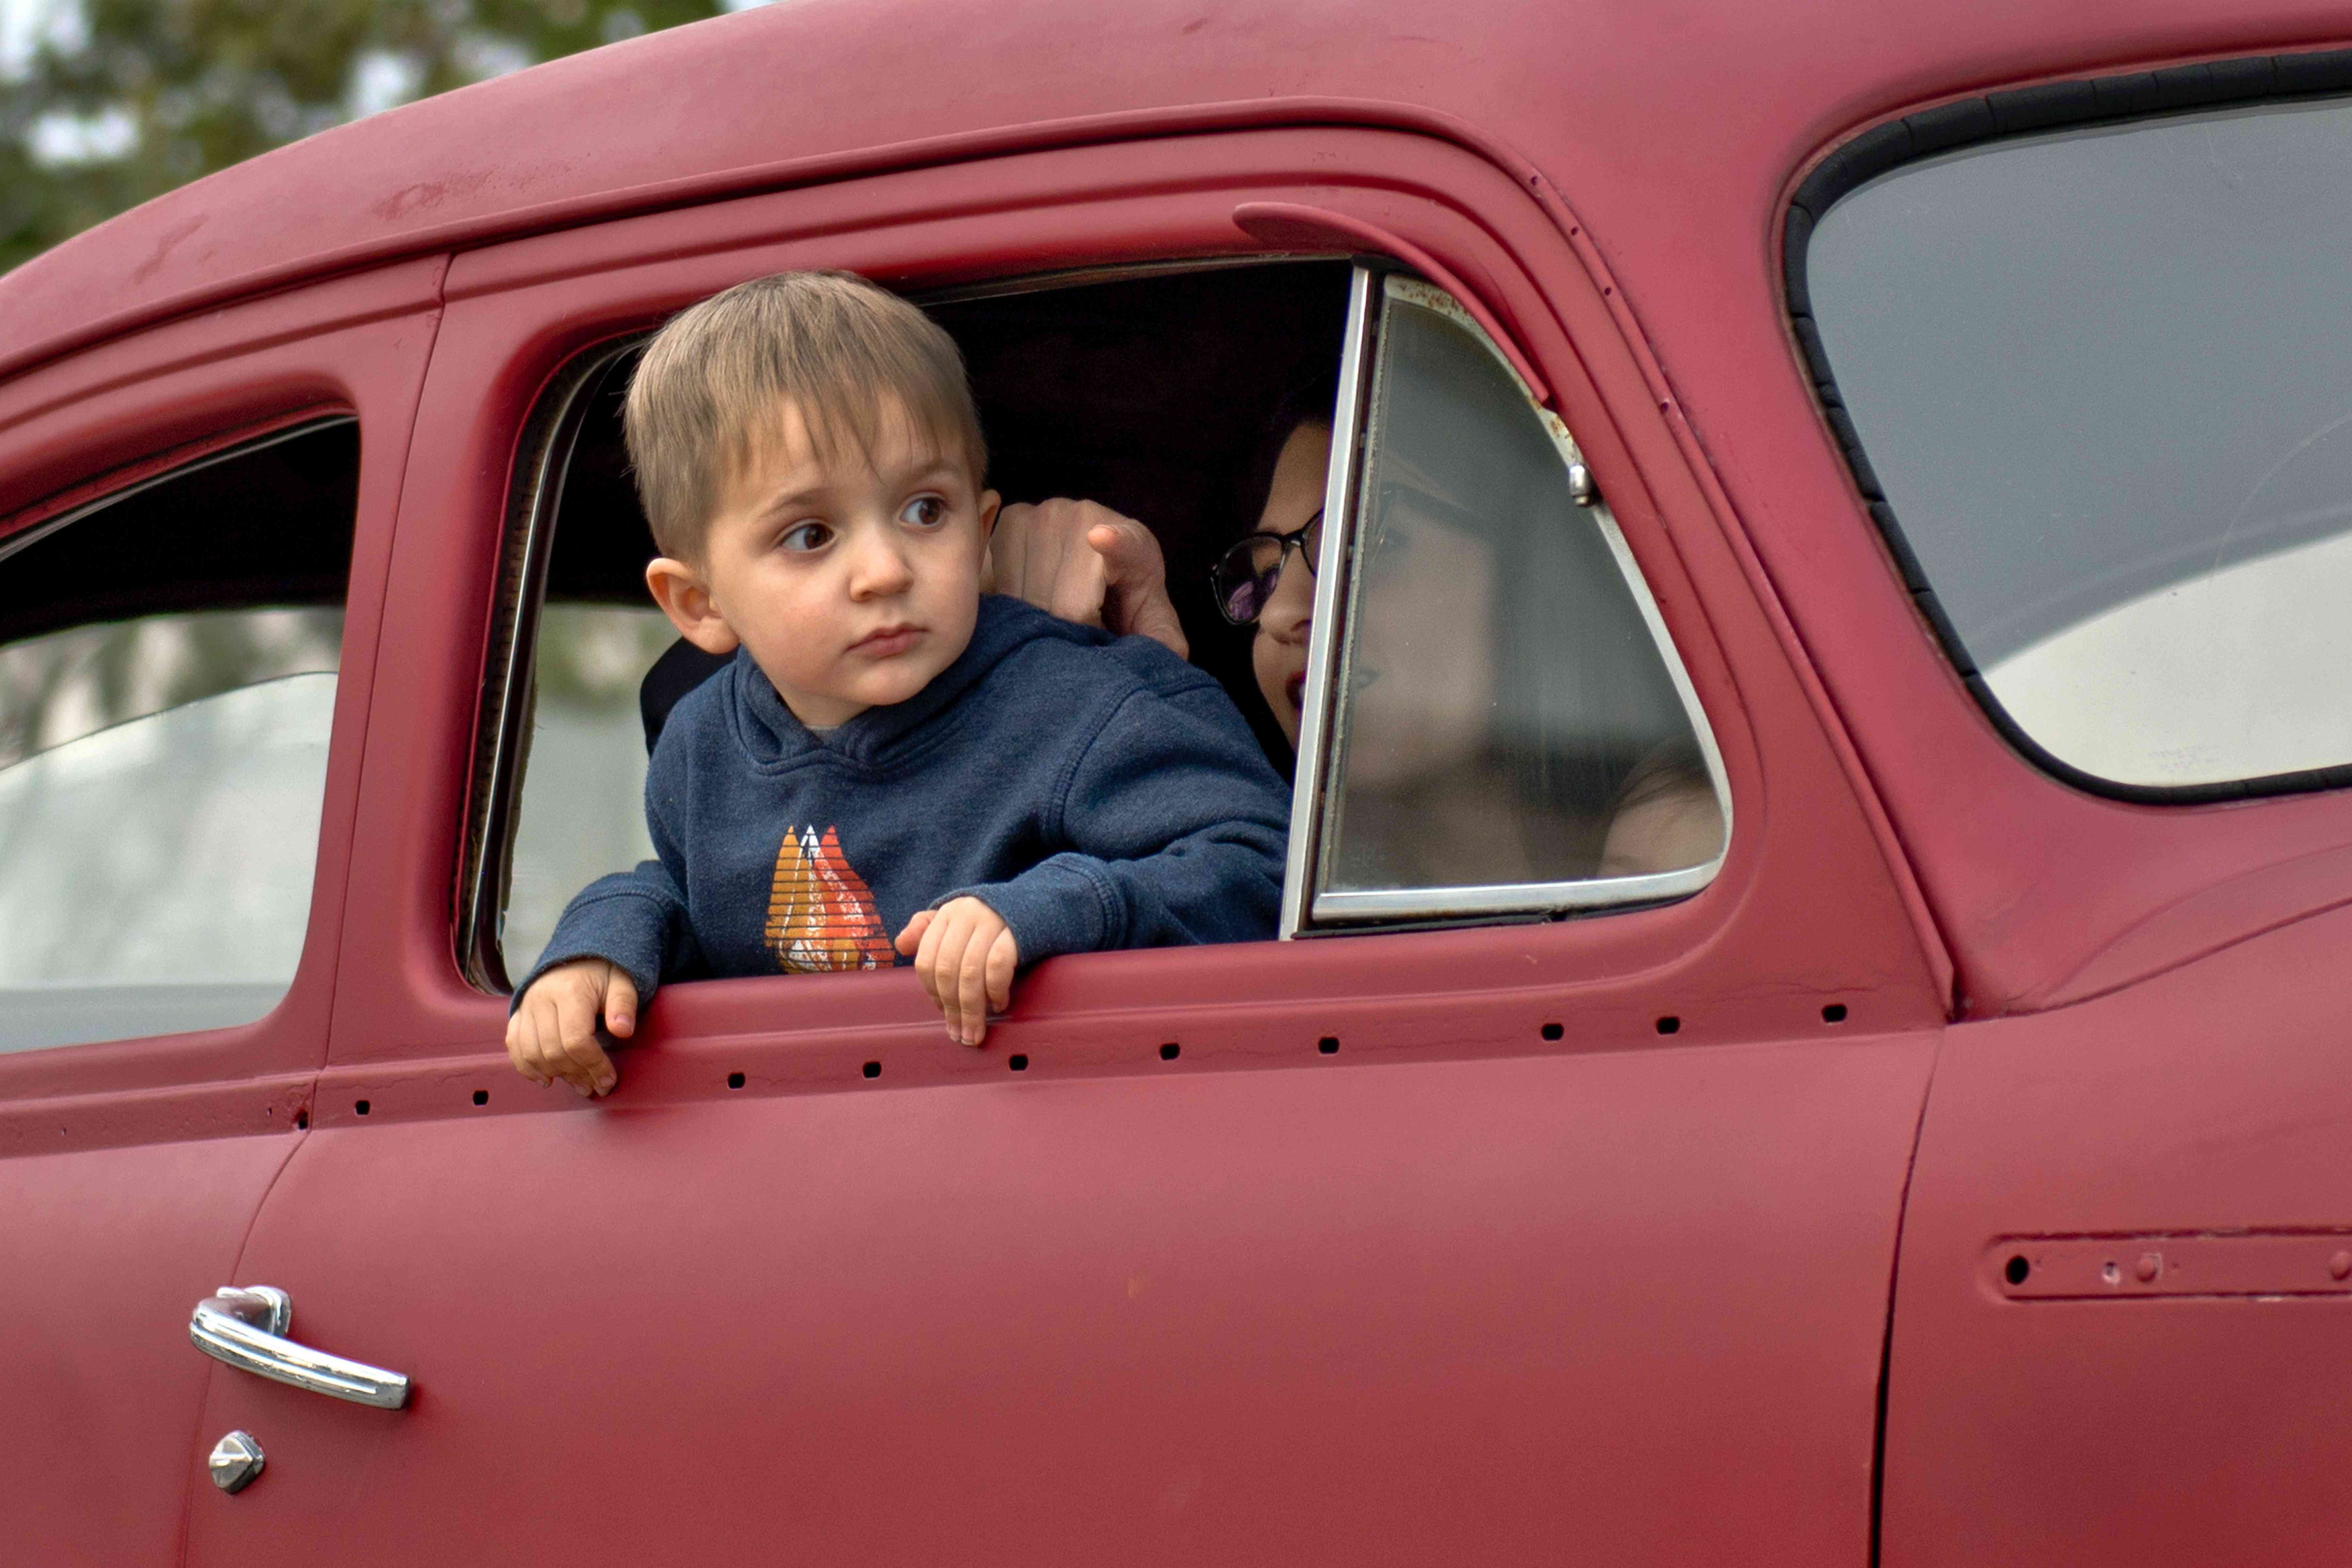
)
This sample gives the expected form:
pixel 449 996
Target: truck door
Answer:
pixel 1512 1207
pixel 2114 452
pixel 198 521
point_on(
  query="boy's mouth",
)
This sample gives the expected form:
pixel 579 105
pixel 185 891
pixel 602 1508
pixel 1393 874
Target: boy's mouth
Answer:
pixel 885 641
pixel 1296 690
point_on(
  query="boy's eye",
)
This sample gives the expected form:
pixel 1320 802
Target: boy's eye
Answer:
pixel 924 511
pixel 805 536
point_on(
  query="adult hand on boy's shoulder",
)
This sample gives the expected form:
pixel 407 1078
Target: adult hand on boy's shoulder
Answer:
pixel 965 955
pixel 553 1034
pixel 1085 562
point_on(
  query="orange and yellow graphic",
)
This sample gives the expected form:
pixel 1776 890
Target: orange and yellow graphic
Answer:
pixel 820 914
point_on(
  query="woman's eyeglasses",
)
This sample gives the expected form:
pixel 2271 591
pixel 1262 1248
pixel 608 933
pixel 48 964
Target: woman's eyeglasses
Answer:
pixel 1246 575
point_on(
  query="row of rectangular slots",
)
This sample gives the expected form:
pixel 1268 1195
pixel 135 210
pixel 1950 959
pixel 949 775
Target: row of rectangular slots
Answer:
pixel 1834 1013
pixel 1327 1046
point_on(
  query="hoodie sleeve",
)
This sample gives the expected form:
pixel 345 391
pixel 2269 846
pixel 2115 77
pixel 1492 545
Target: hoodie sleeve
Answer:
pixel 637 918
pixel 1177 827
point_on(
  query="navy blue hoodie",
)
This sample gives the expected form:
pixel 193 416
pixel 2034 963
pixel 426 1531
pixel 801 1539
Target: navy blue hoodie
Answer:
pixel 1094 791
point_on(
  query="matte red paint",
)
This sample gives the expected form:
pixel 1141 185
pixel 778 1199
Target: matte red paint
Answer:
pixel 2214 1098
pixel 1513 1309
pixel 103 1247
pixel 1462 1291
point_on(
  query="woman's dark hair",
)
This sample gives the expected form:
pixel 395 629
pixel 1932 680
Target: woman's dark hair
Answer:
pixel 1309 404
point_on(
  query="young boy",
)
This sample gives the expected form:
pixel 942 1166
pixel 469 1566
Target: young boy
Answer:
pixel 894 765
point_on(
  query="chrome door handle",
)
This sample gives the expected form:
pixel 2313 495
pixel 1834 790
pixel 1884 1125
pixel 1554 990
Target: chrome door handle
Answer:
pixel 246 1328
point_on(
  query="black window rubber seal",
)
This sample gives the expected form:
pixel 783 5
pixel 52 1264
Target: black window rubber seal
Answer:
pixel 1990 117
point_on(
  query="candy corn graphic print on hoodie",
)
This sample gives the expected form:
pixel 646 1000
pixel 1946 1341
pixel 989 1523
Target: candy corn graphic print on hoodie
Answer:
pixel 1095 792
pixel 819 913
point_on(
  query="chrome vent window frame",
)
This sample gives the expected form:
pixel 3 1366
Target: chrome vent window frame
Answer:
pixel 1309 910
pixel 1341 482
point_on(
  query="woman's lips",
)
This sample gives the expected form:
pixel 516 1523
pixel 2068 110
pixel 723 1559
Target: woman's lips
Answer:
pixel 886 642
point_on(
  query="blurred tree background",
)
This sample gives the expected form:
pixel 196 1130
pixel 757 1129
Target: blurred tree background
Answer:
pixel 104 103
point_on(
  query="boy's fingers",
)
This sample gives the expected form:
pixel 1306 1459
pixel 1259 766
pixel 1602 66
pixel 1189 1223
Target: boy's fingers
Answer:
pixel 520 1050
pixel 911 937
pixel 946 957
pixel 589 1066
pixel 1004 958
pixel 962 981
pixel 537 1026
pixel 582 1059
pixel 927 954
pixel 972 987
pixel 545 1052
pixel 621 1005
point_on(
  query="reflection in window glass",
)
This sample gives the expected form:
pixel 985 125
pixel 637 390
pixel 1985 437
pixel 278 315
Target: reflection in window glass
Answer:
pixel 2102 375
pixel 582 802
pixel 157 875
pixel 168 667
pixel 1506 716
pixel 61 687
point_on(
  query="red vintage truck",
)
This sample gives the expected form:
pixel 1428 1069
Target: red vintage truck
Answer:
pixel 1929 412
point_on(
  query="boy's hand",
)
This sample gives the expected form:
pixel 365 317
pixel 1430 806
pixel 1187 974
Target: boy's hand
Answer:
pixel 965 955
pixel 553 1034
pixel 1085 562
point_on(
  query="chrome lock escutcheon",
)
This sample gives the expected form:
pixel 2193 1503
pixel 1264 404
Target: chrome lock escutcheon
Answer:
pixel 235 1461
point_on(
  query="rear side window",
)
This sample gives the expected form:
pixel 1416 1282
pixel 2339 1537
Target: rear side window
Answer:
pixel 168 667
pixel 2100 376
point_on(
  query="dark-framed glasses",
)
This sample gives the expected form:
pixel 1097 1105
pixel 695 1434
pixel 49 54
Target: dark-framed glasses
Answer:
pixel 1246 575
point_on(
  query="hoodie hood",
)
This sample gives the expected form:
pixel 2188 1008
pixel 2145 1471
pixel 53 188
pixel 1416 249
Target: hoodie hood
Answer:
pixel 773 735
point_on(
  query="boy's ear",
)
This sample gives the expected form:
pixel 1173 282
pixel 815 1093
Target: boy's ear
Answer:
pixel 990 503
pixel 680 592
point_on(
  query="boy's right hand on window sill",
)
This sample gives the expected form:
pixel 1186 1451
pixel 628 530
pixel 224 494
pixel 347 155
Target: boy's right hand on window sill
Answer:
pixel 553 1034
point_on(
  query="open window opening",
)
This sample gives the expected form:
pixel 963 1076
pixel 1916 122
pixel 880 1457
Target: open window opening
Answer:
pixel 1150 394
pixel 168 664
pixel 1342 473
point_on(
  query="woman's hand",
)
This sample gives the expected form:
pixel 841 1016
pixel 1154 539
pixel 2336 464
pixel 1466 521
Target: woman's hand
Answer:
pixel 1085 562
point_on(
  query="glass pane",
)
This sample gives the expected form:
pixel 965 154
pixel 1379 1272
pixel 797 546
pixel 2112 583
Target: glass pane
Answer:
pixel 582 803
pixel 168 667
pixel 2101 376
pixel 1505 715
pixel 169 857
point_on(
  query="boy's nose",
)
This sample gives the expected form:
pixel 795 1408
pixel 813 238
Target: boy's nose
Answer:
pixel 879 566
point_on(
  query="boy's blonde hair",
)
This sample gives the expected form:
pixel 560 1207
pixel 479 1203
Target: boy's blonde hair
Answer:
pixel 713 383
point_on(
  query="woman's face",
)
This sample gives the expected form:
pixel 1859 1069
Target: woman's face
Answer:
pixel 1279 654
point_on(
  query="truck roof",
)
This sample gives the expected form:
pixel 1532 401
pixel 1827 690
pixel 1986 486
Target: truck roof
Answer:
pixel 1715 102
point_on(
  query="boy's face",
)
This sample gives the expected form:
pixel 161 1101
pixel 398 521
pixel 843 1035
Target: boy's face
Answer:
pixel 853 582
